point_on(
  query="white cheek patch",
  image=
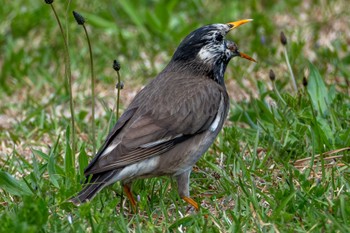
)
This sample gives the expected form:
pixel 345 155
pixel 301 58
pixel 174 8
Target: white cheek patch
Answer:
pixel 209 52
pixel 205 54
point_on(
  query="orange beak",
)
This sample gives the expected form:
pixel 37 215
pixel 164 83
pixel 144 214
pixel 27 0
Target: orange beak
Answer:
pixel 246 57
pixel 236 24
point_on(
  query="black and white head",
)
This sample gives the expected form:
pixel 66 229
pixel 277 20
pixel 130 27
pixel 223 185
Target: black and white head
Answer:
pixel 207 48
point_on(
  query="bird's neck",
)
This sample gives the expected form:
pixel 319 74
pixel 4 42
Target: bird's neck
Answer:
pixel 218 71
pixel 197 68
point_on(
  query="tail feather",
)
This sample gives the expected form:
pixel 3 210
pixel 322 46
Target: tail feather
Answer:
pixel 92 187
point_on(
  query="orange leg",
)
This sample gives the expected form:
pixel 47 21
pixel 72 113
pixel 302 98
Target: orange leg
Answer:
pixel 130 197
pixel 194 204
pixel 191 202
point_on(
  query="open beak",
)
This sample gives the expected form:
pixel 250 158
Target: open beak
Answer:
pixel 236 24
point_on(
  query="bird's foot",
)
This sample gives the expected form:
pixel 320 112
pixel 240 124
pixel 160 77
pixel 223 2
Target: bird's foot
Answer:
pixel 191 202
pixel 130 197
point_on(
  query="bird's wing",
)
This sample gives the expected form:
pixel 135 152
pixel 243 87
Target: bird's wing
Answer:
pixel 116 129
pixel 160 128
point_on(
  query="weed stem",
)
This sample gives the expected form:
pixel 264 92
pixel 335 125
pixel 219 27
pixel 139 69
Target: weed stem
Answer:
pixel 68 75
pixel 278 93
pixel 92 92
pixel 118 94
pixel 290 69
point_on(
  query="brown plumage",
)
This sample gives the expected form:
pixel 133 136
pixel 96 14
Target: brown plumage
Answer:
pixel 172 121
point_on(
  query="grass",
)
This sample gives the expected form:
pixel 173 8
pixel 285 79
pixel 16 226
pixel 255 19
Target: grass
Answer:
pixel 281 164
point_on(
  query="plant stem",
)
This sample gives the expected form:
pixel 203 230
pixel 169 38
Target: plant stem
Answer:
pixel 68 75
pixel 92 92
pixel 118 94
pixel 290 69
pixel 278 93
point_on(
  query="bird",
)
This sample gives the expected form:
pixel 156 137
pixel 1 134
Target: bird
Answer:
pixel 172 121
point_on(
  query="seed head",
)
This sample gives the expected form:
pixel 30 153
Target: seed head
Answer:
pixel 48 1
pixel 79 18
pixel 116 65
pixel 283 39
pixel 272 75
pixel 304 81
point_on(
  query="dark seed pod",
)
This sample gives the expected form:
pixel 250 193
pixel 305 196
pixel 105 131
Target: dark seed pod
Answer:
pixel 79 18
pixel 48 1
pixel 116 65
pixel 121 85
pixel 272 75
pixel 304 82
pixel 283 39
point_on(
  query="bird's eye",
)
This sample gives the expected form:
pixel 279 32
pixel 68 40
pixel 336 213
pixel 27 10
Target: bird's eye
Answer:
pixel 219 37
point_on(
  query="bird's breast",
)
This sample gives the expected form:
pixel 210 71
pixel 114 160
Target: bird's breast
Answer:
pixel 200 143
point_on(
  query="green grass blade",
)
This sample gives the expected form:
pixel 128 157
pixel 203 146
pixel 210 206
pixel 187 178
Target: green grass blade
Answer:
pixel 41 154
pixel 53 176
pixel 130 9
pixel 69 159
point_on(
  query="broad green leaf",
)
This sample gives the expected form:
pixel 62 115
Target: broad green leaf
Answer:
pixel 83 159
pixel 326 130
pixel 318 91
pixel 13 186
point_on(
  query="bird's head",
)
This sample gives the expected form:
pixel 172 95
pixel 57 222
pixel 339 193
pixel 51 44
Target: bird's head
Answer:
pixel 207 47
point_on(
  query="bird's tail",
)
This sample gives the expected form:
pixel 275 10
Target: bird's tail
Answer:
pixel 93 186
